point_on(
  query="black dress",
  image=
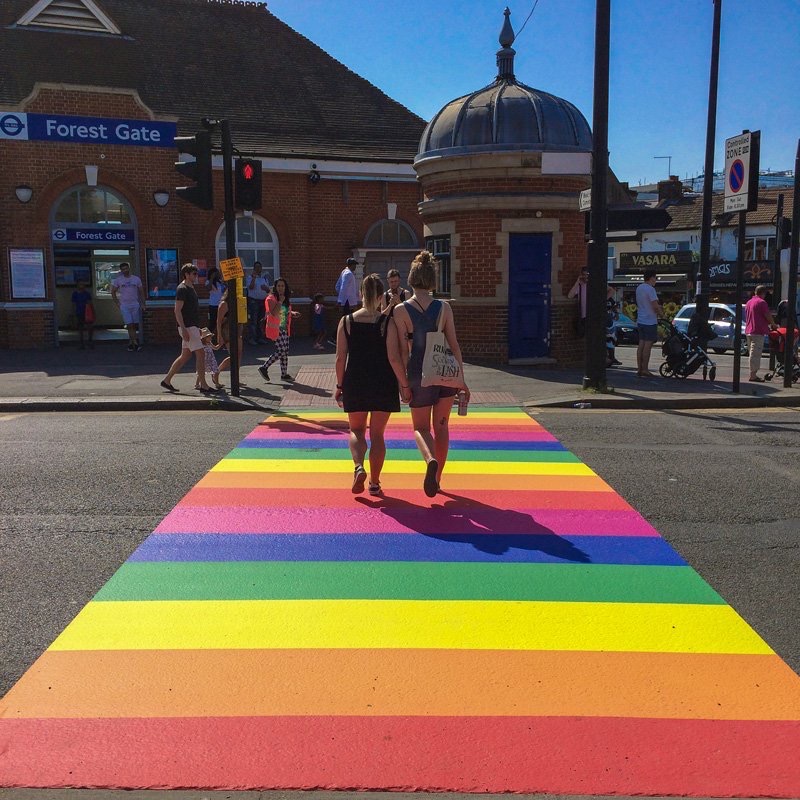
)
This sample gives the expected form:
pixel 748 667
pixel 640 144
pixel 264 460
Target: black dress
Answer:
pixel 369 381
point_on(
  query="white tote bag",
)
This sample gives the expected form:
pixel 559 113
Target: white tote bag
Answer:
pixel 439 365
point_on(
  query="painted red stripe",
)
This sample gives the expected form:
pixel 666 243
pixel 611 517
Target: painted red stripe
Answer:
pixel 561 755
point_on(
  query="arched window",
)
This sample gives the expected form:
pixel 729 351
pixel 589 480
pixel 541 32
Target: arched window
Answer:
pixel 256 240
pixel 391 234
pixel 93 205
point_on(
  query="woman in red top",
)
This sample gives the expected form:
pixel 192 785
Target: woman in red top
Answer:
pixel 278 327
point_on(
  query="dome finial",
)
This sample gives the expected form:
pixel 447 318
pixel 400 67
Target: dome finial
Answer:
pixel 505 56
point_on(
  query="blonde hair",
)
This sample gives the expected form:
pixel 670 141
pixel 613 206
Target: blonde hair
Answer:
pixel 423 271
pixel 371 292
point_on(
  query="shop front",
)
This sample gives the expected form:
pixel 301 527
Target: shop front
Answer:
pixel 722 280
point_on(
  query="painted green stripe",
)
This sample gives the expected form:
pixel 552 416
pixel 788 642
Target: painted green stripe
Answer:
pixel 343 454
pixel 267 580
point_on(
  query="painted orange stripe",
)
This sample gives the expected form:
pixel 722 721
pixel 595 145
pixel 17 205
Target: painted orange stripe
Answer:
pixel 207 683
pixel 287 481
pixel 573 500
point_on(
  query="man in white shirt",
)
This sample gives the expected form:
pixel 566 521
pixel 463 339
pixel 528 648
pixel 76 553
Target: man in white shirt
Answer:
pixel 346 289
pixel 127 292
pixel 648 310
pixel 257 291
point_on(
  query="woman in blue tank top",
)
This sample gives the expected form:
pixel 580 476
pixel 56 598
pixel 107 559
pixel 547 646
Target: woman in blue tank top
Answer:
pixel 430 405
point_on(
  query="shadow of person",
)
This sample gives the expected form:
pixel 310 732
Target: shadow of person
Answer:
pixel 491 530
pixel 295 423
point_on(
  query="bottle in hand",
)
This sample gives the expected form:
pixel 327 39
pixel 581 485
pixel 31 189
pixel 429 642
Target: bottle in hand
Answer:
pixel 462 403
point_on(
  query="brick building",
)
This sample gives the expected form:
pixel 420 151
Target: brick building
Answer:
pixel 92 93
pixel 501 170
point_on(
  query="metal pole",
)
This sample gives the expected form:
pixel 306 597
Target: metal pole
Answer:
pixel 708 177
pixel 230 252
pixel 737 332
pixel 776 269
pixel 598 247
pixel 791 316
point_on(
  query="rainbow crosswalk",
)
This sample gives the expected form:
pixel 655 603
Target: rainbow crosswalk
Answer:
pixel 524 631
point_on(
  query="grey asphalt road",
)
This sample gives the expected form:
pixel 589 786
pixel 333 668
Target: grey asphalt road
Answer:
pixel 81 491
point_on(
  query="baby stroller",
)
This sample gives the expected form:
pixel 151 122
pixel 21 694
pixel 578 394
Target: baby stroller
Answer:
pixel 777 347
pixel 684 355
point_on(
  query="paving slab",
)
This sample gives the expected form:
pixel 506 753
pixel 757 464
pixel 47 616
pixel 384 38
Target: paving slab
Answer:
pixel 525 630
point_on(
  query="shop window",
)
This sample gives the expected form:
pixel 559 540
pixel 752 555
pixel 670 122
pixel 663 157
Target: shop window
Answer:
pixel 759 248
pixel 255 241
pixel 672 247
pixel 440 247
pixel 390 233
pixel 611 261
pixel 93 206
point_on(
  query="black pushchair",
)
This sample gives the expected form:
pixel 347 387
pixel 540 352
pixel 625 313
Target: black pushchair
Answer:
pixel 684 355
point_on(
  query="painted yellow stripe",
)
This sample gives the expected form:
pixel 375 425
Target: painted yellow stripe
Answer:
pixel 340 466
pixel 497 625
pixel 328 414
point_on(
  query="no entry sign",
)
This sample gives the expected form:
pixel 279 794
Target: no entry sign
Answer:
pixel 741 172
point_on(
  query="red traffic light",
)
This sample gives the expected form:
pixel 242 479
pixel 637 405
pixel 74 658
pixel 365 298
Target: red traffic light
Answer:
pixel 248 184
pixel 248 172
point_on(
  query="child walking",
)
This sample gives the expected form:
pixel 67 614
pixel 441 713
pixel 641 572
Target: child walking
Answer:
pixel 318 322
pixel 206 337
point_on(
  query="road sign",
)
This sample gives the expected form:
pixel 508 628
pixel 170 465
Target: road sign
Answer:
pixel 231 268
pixel 585 200
pixel 741 171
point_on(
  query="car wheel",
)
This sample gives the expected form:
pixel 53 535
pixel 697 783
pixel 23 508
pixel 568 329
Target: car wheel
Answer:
pixel 719 350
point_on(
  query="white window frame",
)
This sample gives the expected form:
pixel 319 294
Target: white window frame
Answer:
pixel 219 243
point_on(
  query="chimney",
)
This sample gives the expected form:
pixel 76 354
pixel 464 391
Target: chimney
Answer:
pixel 670 191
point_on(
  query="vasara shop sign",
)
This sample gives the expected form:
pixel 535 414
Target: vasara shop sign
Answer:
pixel 672 261
pixel 87 130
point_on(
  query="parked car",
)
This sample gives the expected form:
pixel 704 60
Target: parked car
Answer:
pixel 722 319
pixel 626 330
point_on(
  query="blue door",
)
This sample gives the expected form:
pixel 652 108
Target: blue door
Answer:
pixel 529 257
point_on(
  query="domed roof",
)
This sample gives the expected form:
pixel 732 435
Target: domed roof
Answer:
pixel 506 115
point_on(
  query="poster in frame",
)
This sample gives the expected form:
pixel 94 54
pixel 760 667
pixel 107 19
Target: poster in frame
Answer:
pixel 27 271
pixel 162 272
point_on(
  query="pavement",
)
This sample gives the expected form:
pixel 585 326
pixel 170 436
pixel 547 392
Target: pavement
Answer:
pixel 111 378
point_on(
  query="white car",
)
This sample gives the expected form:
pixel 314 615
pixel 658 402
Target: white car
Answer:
pixel 722 319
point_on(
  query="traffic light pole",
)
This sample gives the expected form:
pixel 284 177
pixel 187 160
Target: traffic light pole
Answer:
pixel 737 331
pixel 230 252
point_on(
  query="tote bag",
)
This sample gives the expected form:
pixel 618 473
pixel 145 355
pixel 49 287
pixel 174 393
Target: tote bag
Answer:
pixel 439 365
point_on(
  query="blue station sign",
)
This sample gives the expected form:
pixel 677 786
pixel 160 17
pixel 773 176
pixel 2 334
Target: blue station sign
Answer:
pixel 86 130
pixel 94 235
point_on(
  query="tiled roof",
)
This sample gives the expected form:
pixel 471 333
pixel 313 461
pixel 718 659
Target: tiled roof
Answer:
pixel 688 215
pixel 195 58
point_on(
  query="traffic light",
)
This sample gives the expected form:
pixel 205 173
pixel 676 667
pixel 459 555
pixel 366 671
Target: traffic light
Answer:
pixel 199 170
pixel 786 232
pixel 248 184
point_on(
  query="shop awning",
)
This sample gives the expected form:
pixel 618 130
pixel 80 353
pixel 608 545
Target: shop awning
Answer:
pixel 632 281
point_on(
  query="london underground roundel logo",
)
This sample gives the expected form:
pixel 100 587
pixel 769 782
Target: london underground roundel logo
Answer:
pixel 11 125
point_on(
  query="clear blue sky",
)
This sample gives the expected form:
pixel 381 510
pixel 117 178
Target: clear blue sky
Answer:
pixel 424 53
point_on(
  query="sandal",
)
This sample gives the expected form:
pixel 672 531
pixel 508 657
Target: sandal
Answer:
pixel 375 489
pixel 430 485
pixel 168 386
pixel 756 379
pixel 359 479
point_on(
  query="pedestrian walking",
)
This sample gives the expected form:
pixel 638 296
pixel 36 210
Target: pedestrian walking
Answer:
pixel 187 315
pixel 758 324
pixel 128 293
pixel 84 313
pixel 279 328
pixel 318 322
pixel 430 405
pixel 648 310
pixel 367 382
pixel 223 329
pixel 346 289
pixel 257 291
pixel 207 338
pixel 216 288
pixel 394 294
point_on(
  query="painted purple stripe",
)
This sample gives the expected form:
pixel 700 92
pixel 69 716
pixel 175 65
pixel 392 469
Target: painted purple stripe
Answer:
pixel 515 548
pixel 484 434
pixel 209 519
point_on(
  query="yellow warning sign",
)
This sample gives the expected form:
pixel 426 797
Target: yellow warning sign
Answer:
pixel 231 268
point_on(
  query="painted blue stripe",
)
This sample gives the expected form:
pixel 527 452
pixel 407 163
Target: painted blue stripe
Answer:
pixel 513 548
pixel 399 444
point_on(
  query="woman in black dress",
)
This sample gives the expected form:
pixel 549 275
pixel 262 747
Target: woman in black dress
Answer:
pixel 366 381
